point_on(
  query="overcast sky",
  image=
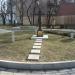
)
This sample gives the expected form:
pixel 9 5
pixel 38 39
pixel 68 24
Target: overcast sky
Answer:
pixel 2 3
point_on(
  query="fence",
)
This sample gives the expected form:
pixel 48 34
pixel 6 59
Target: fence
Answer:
pixel 66 21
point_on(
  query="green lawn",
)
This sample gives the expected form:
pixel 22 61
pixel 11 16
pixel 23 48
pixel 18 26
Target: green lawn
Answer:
pixel 58 48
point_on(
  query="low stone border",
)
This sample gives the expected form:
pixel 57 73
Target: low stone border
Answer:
pixel 37 65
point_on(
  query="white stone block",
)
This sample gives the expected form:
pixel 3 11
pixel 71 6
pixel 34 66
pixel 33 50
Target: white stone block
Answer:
pixel 38 41
pixel 38 44
pixel 35 51
pixel 72 35
pixel 36 47
pixel 35 37
pixel 33 57
pixel 45 36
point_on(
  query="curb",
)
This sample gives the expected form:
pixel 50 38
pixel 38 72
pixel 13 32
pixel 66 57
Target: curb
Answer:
pixel 37 65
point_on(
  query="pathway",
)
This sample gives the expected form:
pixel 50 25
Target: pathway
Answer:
pixel 29 72
pixel 35 51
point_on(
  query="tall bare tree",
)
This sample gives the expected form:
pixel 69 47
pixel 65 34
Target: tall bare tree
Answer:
pixel 19 10
pixel 3 11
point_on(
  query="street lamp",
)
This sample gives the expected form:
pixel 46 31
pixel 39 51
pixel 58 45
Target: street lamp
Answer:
pixel 39 31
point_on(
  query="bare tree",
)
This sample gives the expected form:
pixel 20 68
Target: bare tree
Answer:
pixel 3 10
pixel 10 8
pixel 19 10
pixel 52 11
pixel 23 10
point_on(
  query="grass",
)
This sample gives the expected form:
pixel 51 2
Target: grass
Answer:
pixel 58 48
pixel 17 51
pixel 5 26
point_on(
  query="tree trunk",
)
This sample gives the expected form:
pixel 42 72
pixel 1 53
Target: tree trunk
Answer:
pixel 3 19
pixel 4 22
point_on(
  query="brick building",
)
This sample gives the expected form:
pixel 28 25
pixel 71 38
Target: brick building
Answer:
pixel 66 14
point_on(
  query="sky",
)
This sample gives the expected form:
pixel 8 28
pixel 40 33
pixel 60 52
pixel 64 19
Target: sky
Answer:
pixel 3 2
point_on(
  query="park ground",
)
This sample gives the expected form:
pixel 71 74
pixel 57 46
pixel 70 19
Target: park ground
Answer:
pixel 56 48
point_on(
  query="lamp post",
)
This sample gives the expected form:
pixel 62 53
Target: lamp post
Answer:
pixel 39 20
pixel 39 31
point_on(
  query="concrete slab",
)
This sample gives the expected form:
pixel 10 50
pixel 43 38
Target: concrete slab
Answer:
pixel 38 44
pixel 38 41
pixel 6 73
pixel 42 72
pixel 33 57
pixel 35 37
pixel 22 73
pixel 36 47
pixel 35 51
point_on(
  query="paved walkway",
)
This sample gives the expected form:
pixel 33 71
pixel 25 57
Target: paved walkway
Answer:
pixel 47 72
pixel 35 51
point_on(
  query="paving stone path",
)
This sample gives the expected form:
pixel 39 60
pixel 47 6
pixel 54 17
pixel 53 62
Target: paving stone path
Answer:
pixel 35 51
pixel 29 72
